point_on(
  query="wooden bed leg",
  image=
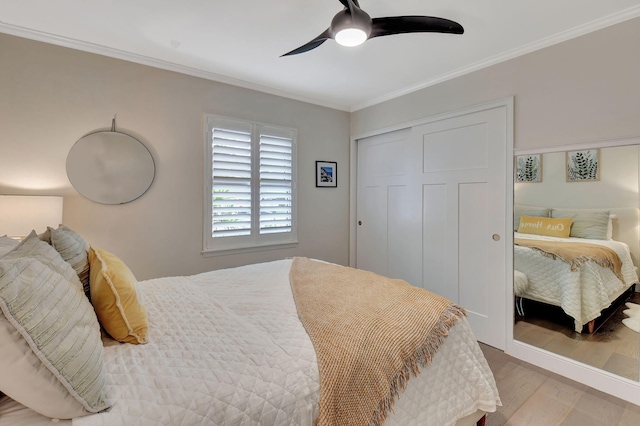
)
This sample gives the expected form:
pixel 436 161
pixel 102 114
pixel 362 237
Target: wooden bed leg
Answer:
pixel 592 326
pixel 482 421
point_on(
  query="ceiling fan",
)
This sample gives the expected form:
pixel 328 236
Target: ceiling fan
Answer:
pixel 353 26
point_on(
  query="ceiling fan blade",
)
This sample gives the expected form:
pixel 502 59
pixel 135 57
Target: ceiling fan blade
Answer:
pixel 310 45
pixel 345 3
pixel 413 24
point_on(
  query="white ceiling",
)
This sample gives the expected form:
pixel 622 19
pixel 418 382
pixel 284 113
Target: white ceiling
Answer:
pixel 240 42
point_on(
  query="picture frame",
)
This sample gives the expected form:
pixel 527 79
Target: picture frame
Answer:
pixel 583 165
pixel 326 174
pixel 528 168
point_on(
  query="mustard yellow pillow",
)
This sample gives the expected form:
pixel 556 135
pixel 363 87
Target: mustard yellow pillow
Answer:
pixel 551 227
pixel 115 298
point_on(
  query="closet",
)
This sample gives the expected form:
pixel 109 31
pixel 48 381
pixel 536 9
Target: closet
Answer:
pixel 430 209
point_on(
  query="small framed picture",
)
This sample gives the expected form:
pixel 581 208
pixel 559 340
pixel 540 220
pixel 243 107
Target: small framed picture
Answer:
pixel 326 174
pixel 529 168
pixel 583 165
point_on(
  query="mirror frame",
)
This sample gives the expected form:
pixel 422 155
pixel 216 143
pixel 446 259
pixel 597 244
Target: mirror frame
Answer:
pixel 604 381
pixel 92 150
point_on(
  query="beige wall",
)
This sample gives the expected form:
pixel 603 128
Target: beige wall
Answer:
pixel 51 96
pixel 617 187
pixel 584 89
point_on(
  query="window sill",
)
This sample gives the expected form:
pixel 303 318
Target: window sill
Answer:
pixel 249 249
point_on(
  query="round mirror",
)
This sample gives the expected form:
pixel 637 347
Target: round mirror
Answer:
pixel 110 167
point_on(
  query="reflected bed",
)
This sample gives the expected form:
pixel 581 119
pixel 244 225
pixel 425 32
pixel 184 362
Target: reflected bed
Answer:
pixel 582 269
pixel 582 291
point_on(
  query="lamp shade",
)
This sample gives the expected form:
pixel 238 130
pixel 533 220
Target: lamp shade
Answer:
pixel 19 214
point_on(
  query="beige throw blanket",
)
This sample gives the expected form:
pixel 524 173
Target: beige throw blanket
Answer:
pixel 370 333
pixel 575 254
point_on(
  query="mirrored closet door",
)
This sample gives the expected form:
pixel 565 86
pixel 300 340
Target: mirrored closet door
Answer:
pixel 576 255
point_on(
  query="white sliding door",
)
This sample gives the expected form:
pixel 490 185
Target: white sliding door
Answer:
pixel 387 241
pixel 431 209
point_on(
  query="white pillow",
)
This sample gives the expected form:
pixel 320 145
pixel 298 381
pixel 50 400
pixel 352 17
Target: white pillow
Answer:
pixel 51 351
pixel 7 244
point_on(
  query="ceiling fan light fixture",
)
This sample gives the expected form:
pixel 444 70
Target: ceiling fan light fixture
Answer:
pixel 351 37
pixel 353 26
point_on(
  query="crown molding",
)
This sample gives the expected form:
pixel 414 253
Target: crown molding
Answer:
pixel 616 18
pixel 630 13
pixel 156 63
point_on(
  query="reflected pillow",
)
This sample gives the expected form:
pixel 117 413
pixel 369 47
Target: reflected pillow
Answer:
pixel 51 351
pixel 517 212
pixel 546 226
pixel 114 295
pixel 592 224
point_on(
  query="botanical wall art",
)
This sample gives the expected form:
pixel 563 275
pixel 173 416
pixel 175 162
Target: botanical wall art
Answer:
pixel 326 174
pixel 529 168
pixel 583 165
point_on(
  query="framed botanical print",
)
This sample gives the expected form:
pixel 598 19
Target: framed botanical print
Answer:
pixel 528 168
pixel 583 165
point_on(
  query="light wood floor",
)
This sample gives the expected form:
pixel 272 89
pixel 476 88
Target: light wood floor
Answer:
pixel 533 396
pixel 613 347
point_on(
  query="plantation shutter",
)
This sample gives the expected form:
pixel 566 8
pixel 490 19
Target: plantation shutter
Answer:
pixel 276 171
pixel 250 186
pixel 231 174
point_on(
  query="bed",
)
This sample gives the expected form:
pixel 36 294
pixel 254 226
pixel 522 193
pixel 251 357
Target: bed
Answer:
pixel 582 288
pixel 227 347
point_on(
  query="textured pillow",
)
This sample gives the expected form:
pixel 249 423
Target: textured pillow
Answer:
pixel 517 212
pixel 586 224
pixel 545 226
pixel 115 298
pixel 73 250
pixel 46 236
pixel 51 351
pixel 7 244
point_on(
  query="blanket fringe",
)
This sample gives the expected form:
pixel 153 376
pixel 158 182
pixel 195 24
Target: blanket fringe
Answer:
pixel 422 357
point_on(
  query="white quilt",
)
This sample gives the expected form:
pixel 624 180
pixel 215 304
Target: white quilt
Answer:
pixel 582 294
pixel 227 348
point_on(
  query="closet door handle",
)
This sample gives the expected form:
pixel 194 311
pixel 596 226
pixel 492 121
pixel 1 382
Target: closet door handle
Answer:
pixel 495 237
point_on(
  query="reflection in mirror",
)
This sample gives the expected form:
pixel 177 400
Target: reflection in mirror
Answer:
pixel 577 246
pixel 110 167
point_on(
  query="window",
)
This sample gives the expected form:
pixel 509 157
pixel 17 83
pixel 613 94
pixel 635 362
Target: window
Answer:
pixel 250 193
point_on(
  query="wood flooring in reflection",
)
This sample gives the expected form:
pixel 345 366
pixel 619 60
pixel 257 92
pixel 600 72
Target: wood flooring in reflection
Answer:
pixel 613 347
